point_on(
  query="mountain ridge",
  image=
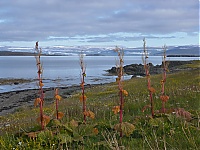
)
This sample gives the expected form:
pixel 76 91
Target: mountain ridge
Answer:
pixel 188 50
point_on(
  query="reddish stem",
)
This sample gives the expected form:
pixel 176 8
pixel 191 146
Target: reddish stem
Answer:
pixel 121 110
pixel 56 108
pixel 163 83
pixel 56 104
pixel 150 94
pixel 83 95
pixel 149 80
pixel 41 93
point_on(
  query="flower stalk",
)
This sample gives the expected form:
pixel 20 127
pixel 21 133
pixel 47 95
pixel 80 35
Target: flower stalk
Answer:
pixel 58 114
pixel 147 68
pixel 122 92
pixel 164 97
pixel 40 100
pixel 83 75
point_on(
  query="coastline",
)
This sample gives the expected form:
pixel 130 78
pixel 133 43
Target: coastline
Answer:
pixel 14 100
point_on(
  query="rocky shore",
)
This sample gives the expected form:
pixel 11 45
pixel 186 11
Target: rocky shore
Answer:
pixel 15 100
pixel 138 69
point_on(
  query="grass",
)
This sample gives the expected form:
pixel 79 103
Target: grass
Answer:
pixel 165 131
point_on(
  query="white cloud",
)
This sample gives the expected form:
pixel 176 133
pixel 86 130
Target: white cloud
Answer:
pixel 42 20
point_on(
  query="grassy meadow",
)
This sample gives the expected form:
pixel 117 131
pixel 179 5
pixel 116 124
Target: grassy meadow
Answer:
pixel 177 129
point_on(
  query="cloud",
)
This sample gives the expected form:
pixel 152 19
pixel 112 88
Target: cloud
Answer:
pixel 23 20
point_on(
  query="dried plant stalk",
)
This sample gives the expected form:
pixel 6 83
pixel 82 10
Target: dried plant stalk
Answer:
pixel 146 67
pixel 40 83
pixel 122 92
pixel 164 97
pixel 83 75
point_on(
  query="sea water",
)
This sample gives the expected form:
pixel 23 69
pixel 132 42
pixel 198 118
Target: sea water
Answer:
pixel 59 71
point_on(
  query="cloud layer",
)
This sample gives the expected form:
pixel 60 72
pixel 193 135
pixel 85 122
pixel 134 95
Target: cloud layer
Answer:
pixel 97 21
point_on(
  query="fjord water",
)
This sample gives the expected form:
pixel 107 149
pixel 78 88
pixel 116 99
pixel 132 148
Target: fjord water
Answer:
pixel 65 70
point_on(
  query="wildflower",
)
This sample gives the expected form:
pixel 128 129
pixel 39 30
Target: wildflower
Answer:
pixel 162 81
pixel 86 113
pixel 89 114
pixel 95 131
pixel 37 101
pixel 152 90
pixel 82 84
pixel 41 84
pixel 83 98
pixel 164 98
pixel 60 115
pixel 116 109
pixel 58 97
pixel 45 119
pixel 125 92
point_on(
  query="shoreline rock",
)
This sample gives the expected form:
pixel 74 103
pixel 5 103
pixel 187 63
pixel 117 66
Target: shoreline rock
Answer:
pixel 138 69
pixel 11 101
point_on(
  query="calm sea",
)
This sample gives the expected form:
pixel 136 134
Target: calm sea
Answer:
pixel 65 70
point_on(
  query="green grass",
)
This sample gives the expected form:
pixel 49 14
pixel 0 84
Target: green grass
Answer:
pixel 165 131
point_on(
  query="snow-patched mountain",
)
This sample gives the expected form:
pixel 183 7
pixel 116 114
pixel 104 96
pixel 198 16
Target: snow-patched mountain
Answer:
pixel 189 50
pixel 98 50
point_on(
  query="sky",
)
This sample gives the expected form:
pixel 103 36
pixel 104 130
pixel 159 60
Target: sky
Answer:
pixel 99 22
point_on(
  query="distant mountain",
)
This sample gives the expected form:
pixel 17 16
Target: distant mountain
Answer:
pixel 98 51
pixel 182 51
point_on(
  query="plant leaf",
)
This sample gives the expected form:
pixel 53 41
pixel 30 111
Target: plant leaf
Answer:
pixel 32 134
pixel 125 127
pixel 46 120
pixel 73 123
